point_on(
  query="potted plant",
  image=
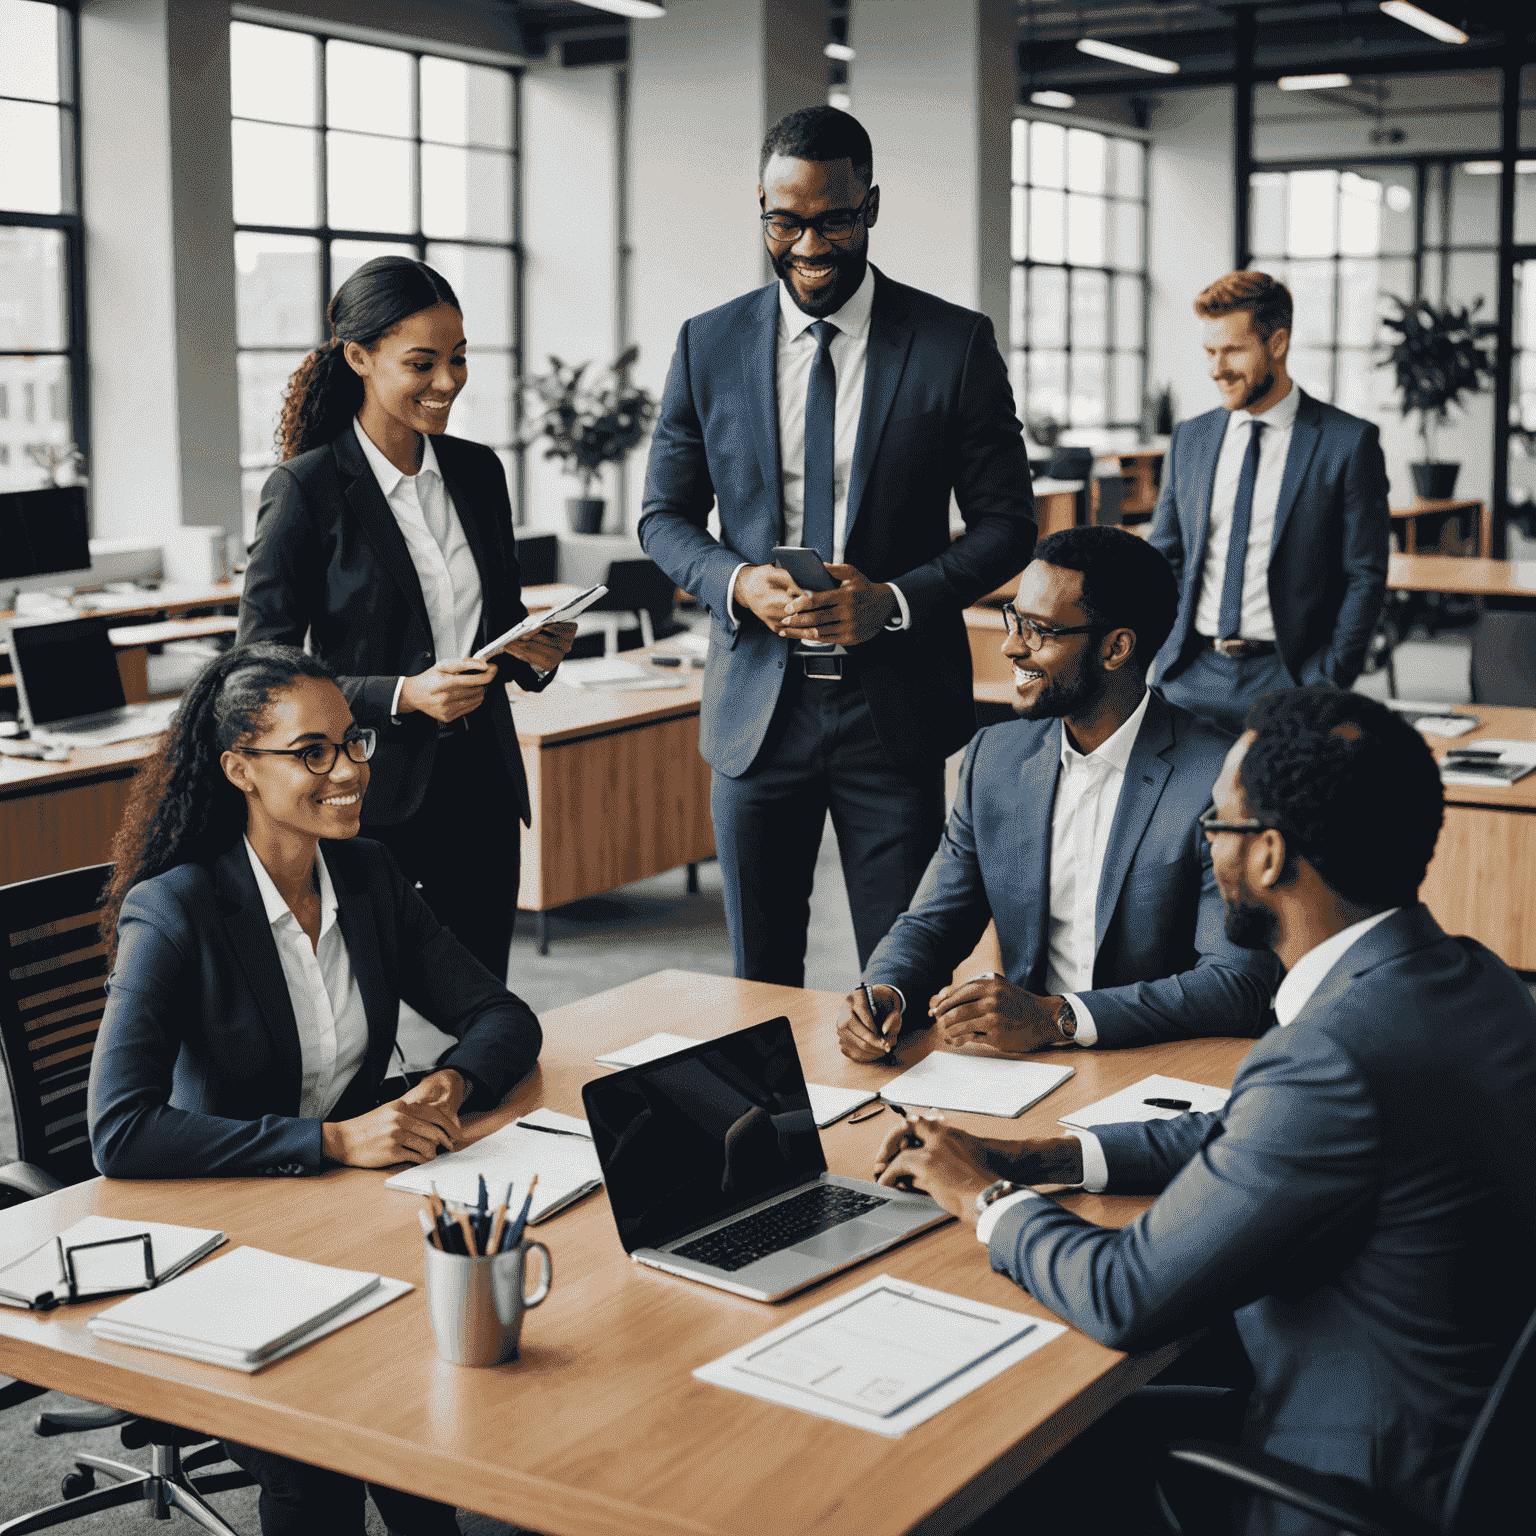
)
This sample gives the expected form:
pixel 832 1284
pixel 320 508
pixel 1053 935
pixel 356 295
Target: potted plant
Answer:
pixel 1441 354
pixel 587 426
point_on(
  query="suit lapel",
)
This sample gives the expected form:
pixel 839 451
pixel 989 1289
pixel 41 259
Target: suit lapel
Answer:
pixel 368 505
pixel 354 916
pixel 1145 776
pixel 890 339
pixel 250 933
pixel 1305 433
pixel 1205 479
pixel 759 369
pixel 1038 774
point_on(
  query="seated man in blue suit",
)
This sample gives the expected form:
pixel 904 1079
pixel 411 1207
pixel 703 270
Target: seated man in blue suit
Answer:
pixel 1273 514
pixel 1076 829
pixel 1363 1203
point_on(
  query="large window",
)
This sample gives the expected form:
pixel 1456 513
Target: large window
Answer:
pixel 42 343
pixel 343 152
pixel 1078 312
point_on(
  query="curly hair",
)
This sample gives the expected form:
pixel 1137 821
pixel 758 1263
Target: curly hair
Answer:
pixel 324 394
pixel 182 809
pixel 820 133
pixel 1352 786
pixel 1125 581
pixel 1268 301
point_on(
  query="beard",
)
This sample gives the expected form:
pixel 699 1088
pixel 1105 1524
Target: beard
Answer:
pixel 849 265
pixel 1067 696
pixel 1248 924
pixel 1258 391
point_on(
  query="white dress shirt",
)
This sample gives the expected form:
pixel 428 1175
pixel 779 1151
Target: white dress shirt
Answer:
pixel 1301 981
pixel 796 353
pixel 445 564
pixel 1258 623
pixel 327 1006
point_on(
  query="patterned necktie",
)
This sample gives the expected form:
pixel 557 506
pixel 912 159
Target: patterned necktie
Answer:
pixel 1231 620
pixel 820 433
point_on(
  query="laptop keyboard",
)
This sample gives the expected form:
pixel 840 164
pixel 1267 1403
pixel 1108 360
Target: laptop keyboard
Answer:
pixel 781 1226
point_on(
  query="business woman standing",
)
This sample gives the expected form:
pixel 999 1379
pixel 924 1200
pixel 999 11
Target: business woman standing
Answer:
pixel 259 959
pixel 389 544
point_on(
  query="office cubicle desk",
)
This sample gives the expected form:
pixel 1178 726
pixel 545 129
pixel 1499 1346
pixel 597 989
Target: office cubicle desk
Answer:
pixel 600 1429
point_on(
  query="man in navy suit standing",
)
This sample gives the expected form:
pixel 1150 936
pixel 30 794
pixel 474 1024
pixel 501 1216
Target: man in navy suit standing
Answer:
pixel 836 410
pixel 1273 514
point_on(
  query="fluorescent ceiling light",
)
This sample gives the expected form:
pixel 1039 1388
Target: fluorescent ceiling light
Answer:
pixel 1441 31
pixel 642 10
pixel 1312 82
pixel 1119 55
pixel 1057 99
pixel 841 52
pixel 841 100
pixel 1481 167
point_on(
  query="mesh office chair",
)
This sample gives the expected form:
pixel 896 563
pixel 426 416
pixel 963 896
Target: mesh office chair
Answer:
pixel 1489 1488
pixel 538 558
pixel 1504 658
pixel 52 997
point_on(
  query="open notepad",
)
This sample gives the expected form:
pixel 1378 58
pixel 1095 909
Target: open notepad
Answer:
pixel 38 1278
pixel 1130 1103
pixel 978 1085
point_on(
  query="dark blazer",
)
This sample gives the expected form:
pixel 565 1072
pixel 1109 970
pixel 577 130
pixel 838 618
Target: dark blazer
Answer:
pixel 330 561
pixel 1363 1203
pixel 197 1066
pixel 1163 969
pixel 937 417
pixel 1328 557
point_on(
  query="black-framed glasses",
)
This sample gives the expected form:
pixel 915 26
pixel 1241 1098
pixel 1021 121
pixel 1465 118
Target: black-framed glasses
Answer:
pixel 837 224
pixel 1035 635
pixel 1210 823
pixel 320 756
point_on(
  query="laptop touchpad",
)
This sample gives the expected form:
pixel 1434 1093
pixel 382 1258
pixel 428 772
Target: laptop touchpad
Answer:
pixel 845 1242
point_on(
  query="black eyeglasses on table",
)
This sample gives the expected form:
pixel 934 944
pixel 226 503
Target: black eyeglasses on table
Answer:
pixel 1208 822
pixel 1035 634
pixel 836 224
pixel 320 756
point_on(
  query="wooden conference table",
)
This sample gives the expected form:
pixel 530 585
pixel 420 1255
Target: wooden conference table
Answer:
pixel 600 1429
pixel 1462 576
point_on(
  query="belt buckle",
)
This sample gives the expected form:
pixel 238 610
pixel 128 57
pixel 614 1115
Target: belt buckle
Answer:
pixel 825 669
pixel 1231 649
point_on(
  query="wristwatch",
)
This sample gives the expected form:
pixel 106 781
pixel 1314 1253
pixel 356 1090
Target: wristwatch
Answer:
pixel 992 1192
pixel 1066 1021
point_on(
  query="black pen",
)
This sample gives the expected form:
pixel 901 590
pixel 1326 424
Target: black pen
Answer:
pixel 551 1130
pixel 860 1119
pixel 1167 1103
pixel 874 1013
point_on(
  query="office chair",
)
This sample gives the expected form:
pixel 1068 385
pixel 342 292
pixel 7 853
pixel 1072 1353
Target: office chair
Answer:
pixel 538 558
pixel 52 997
pixel 1504 658
pixel 639 592
pixel 1113 489
pixel 1489 1487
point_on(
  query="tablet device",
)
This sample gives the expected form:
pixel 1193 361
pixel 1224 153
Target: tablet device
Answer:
pixel 539 620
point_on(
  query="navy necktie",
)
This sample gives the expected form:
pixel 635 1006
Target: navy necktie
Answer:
pixel 1231 620
pixel 820 433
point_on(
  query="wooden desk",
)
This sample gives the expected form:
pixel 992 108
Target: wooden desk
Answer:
pixel 600 1429
pixel 1480 881
pixel 1145 467
pixel 1465 577
pixel 1423 506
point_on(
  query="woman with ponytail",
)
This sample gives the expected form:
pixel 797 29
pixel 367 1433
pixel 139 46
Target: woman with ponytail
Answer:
pixel 388 544
pixel 260 951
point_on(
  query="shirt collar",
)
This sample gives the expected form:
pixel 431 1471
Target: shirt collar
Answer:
pixel 388 476
pixel 852 319
pixel 1278 418
pixel 271 897
pixel 1304 978
pixel 1114 753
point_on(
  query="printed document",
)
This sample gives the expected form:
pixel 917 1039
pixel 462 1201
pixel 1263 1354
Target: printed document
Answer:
pixel 978 1085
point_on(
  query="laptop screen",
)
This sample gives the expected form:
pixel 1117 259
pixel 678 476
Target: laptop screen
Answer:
pixel 66 669
pixel 697 1137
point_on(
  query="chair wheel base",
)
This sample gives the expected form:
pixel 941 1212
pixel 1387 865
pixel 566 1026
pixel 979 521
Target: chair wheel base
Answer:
pixel 73 1484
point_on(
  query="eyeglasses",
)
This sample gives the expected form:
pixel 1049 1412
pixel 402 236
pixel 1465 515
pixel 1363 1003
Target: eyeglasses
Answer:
pixel 1035 635
pixel 1210 824
pixel 838 224
pixel 320 756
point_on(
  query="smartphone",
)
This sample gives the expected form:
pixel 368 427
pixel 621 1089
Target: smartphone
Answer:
pixel 805 566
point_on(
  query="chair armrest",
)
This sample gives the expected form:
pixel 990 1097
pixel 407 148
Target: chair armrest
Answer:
pixel 1337 1501
pixel 28 1179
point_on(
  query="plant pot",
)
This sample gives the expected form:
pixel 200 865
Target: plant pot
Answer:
pixel 1435 482
pixel 585 513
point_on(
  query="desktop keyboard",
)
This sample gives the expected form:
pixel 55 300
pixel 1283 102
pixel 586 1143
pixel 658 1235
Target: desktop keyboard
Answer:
pixel 781 1226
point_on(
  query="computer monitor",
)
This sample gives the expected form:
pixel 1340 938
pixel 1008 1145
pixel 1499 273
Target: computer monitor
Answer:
pixel 44 532
pixel 65 670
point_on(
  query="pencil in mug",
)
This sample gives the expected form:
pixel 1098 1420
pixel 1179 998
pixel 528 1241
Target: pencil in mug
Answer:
pixel 429 1228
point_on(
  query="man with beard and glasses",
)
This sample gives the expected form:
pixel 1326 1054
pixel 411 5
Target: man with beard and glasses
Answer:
pixel 1076 829
pixel 1273 514
pixel 834 410
pixel 1362 1206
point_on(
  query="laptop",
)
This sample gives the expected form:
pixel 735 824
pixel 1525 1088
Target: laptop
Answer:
pixel 70 690
pixel 715 1170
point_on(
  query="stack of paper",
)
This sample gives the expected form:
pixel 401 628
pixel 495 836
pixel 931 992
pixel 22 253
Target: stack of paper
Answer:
pixel 652 1048
pixel 567 1167
pixel 1131 1103
pixel 601 674
pixel 829 1104
pixel 1491 762
pixel 38 1279
pixel 978 1085
pixel 246 1309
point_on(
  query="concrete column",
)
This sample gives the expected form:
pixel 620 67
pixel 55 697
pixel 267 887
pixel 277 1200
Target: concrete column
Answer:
pixel 160 276
pixel 935 86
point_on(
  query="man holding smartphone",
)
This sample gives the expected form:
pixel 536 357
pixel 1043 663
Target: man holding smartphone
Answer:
pixel 834 411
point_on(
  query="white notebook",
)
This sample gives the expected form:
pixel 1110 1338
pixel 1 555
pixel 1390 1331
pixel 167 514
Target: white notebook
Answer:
pixel 567 1167
pixel 37 1278
pixel 977 1085
pixel 652 1048
pixel 242 1309
pixel 829 1104
pixel 1130 1103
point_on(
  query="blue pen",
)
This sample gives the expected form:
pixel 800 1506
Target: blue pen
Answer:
pixel 482 1215
pixel 514 1233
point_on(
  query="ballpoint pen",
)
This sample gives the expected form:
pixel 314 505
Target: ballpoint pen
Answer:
pixel 514 1232
pixel 549 1130
pixel 1167 1103
pixel 874 1013
pixel 860 1119
pixel 482 1221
